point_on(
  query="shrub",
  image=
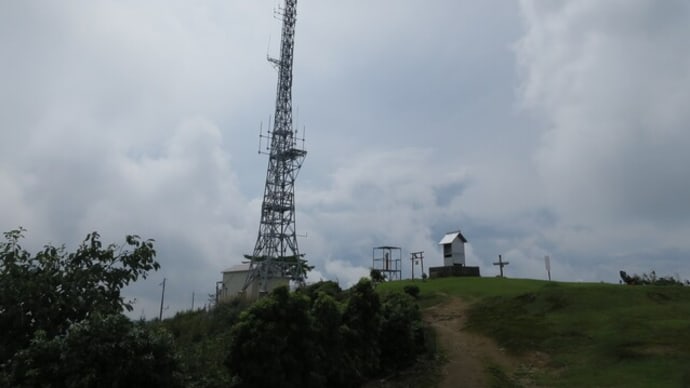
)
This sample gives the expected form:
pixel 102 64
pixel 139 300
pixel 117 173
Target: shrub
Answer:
pixel 412 291
pixel 97 350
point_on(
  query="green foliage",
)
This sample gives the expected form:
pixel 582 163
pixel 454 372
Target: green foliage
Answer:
pixel 98 351
pixel 328 287
pixel 362 325
pixel 377 276
pixel 588 334
pixel 202 338
pixel 402 336
pixel 331 347
pixel 50 290
pixel 651 279
pixel 412 290
pixel 272 344
pixel 60 313
pixel 321 336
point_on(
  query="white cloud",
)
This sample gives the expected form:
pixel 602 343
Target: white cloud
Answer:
pixel 345 273
pixel 380 198
pixel 609 81
pixel 131 117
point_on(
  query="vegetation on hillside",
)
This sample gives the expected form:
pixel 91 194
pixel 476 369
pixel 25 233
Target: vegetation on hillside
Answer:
pixel 577 334
pixel 651 279
pixel 316 336
pixel 61 317
pixel 62 323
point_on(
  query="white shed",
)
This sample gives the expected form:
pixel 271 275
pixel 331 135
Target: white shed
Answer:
pixel 233 280
pixel 453 244
pixel 235 277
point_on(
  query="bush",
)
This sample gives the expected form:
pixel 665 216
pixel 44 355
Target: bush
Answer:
pixel 650 279
pixel 310 339
pixel 402 337
pixel 99 351
pixel 272 344
pixel 52 289
pixel 412 291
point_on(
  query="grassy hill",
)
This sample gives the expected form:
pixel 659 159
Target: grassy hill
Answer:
pixel 586 334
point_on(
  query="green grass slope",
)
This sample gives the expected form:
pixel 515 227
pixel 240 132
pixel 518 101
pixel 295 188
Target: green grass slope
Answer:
pixel 596 335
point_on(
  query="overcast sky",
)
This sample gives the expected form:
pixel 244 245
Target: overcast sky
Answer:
pixel 538 128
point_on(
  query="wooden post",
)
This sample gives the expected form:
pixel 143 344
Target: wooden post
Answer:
pixel 414 256
pixel 160 315
pixel 412 264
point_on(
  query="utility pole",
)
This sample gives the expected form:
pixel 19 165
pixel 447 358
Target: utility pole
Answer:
pixel 417 257
pixel 276 254
pixel 192 300
pixel 220 288
pixel 501 264
pixel 160 315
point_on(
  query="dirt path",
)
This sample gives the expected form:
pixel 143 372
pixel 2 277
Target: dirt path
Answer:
pixel 468 354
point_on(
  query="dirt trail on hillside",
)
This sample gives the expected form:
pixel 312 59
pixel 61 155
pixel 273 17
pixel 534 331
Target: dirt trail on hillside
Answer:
pixel 468 353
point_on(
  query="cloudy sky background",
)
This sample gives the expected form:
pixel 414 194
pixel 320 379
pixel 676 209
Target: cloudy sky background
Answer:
pixel 536 127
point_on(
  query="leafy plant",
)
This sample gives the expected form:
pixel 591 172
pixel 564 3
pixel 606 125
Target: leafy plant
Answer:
pixel 411 290
pixel 650 279
pixel 321 336
pixel 99 351
pixel 275 334
pixel 61 310
pixel 377 276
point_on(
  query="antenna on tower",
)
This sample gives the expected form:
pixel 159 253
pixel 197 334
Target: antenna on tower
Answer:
pixel 268 46
pixel 304 135
pixel 261 135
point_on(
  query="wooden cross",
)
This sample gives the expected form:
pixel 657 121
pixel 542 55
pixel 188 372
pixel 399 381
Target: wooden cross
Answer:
pixel 501 264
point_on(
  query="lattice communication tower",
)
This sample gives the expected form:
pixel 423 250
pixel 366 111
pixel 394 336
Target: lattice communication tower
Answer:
pixel 276 254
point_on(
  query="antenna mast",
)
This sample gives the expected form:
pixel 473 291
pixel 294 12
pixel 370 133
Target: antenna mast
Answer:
pixel 276 254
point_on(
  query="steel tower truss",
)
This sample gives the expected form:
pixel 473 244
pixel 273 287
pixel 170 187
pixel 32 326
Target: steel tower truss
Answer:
pixel 276 254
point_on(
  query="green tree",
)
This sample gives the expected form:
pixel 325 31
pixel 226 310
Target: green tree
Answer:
pixel 272 344
pixel 100 351
pixel 48 298
pixel 377 276
pixel 328 334
pixel 311 339
pixel 401 336
pixel 412 291
pixel 327 287
pixel 362 324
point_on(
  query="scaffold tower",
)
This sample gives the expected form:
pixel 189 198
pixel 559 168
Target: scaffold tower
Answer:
pixel 276 255
pixel 388 261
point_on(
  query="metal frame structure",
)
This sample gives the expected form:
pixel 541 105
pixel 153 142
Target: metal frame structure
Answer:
pixel 384 260
pixel 417 258
pixel 276 254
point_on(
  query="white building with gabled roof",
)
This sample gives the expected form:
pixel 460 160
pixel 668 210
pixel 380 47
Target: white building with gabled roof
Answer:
pixel 453 246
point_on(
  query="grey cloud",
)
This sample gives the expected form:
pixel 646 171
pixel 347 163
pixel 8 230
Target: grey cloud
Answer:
pixel 143 118
pixel 609 82
pixel 612 89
